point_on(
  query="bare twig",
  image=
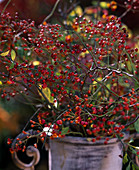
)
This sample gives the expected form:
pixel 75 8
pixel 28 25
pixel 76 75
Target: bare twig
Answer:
pixel 129 9
pixel 128 124
pixel 32 117
pixel 45 19
pixel 5 7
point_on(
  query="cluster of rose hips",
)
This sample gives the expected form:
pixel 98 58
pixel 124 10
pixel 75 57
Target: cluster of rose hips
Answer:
pixel 89 69
pixel 132 4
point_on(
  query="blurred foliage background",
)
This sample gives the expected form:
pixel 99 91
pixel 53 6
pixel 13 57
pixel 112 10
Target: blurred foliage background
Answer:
pixel 13 113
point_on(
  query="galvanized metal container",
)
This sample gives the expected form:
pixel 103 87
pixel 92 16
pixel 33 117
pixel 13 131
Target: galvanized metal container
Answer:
pixel 78 153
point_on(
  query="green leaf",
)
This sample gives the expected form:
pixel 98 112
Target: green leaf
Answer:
pixel 129 66
pixel 133 167
pixel 5 53
pixel 64 131
pixel 133 150
pixel 94 3
pixel 125 160
pixel 103 4
pixel 128 167
pixel 13 55
pixel 11 66
pixel 136 125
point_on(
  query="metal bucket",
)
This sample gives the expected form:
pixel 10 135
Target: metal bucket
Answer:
pixel 78 153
